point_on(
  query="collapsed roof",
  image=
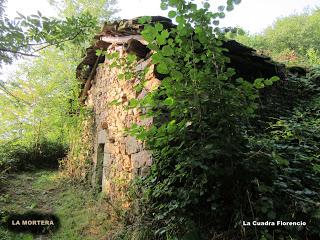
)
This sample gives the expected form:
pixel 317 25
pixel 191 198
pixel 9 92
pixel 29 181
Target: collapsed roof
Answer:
pixel 245 60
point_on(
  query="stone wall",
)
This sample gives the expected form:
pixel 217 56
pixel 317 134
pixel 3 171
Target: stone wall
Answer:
pixel 123 157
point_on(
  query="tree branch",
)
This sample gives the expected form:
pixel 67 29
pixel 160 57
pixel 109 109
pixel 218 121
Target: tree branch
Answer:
pixel 39 49
pixel 52 44
pixel 5 90
pixel 18 52
pixel 31 44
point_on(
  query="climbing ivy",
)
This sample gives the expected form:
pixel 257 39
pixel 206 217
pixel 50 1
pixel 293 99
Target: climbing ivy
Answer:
pixel 200 111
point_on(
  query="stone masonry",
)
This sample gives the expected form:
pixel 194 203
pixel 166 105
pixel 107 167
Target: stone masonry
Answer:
pixel 124 157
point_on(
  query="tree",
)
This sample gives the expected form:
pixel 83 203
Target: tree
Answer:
pixel 291 39
pixel 38 104
pixel 102 9
pixel 27 35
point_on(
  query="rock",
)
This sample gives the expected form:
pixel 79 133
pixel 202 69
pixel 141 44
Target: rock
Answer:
pixel 140 159
pixel 132 145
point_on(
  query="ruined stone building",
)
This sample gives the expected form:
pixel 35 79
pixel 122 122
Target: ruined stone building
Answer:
pixel 118 157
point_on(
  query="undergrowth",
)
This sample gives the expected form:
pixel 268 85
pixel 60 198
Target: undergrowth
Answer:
pixel 76 167
pixel 222 154
pixel 82 213
pixel 16 156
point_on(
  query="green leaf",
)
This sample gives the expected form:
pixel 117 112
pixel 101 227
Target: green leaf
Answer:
pixel 115 102
pixel 156 58
pixel 229 2
pixel 163 6
pixel 258 83
pixel 177 75
pixel 98 52
pixel 221 8
pixel 230 8
pixel 121 76
pixel 240 31
pixel 222 15
pixel 165 33
pixel 161 39
pixel 21 15
pixel 172 14
pixel 133 103
pixel 171 127
pixel 268 82
pixel 316 168
pixel 280 160
pixel 169 101
pixel 153 46
pixel 131 58
pixel 128 75
pixel 144 19
pixel 198 29
pixel 162 68
pixel 180 19
pixel 216 22
pixel 149 33
pixel 206 5
pixel 158 27
pixel 275 78
pixel 167 51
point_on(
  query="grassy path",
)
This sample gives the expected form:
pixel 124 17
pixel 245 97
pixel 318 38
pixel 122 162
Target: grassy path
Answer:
pixel 82 215
pixel 28 191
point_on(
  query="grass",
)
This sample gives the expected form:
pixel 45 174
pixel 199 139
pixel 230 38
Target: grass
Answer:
pixel 82 214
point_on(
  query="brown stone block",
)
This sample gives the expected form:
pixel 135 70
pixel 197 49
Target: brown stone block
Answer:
pixel 150 73
pixel 145 121
pixel 132 145
pixel 149 162
pixel 104 124
pixel 152 84
pixel 140 159
pixel 123 148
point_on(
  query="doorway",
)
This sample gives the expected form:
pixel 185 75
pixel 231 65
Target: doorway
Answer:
pixel 99 166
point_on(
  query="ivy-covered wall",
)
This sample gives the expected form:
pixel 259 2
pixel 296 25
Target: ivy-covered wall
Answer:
pixel 220 135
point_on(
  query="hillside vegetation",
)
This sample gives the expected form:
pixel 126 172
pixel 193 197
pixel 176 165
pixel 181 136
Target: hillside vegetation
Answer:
pixel 292 40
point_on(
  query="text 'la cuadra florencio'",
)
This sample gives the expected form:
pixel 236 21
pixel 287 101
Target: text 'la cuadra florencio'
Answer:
pixel 273 223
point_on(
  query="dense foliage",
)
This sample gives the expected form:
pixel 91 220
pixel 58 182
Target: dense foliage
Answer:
pixel 39 102
pixel 216 160
pixel 18 156
pixel 36 108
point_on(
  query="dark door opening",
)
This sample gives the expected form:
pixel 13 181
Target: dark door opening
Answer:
pixel 99 166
